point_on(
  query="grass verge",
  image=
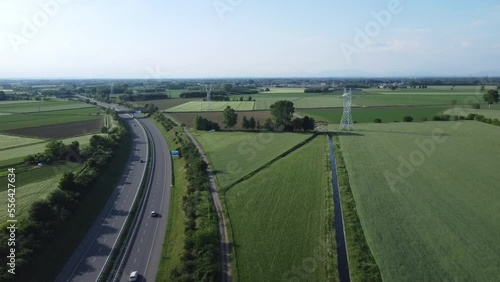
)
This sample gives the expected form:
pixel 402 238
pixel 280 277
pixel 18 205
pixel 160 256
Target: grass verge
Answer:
pixel 174 237
pixel 362 264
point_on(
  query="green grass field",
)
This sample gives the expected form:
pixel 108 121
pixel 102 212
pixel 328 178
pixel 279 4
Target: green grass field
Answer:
pixel 311 101
pixel 215 106
pixel 34 185
pixel 367 115
pixel 439 221
pixel 164 104
pixel 33 107
pixel 7 141
pixel 236 154
pixel 16 121
pixel 465 111
pixel 280 219
pixel 17 154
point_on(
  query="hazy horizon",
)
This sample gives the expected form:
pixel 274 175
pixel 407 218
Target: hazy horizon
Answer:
pixel 135 39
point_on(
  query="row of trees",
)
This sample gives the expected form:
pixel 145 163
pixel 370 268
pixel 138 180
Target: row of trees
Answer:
pixel 48 217
pixel 201 123
pixel 200 257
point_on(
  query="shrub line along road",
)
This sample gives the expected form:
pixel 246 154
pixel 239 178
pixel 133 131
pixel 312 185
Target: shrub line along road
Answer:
pixel 225 246
pixel 88 260
pixel 145 252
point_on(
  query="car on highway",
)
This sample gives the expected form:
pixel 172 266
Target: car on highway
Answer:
pixel 133 276
pixel 154 214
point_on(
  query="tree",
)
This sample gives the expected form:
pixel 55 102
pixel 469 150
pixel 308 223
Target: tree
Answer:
pixel 282 112
pixel 482 89
pixel 245 123
pixel 308 123
pixel 67 182
pixel 251 123
pixel 268 124
pixel 56 149
pixel 454 102
pixel 297 123
pixel 407 119
pixel 3 96
pixel 491 97
pixel 230 117
pixel 249 98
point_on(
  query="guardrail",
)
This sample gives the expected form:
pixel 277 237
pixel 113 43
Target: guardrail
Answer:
pixel 104 275
pixel 124 252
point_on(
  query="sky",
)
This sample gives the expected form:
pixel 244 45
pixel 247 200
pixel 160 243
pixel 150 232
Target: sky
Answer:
pixel 248 38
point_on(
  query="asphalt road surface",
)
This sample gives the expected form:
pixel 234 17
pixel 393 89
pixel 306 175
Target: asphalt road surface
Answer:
pixel 145 252
pixel 88 261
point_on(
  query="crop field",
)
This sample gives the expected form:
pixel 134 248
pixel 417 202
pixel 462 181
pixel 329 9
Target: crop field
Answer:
pixel 323 101
pixel 200 106
pixel 427 196
pixel 367 115
pixel 62 130
pixel 432 90
pixel 7 141
pixel 17 154
pixel 164 104
pixel 41 183
pixel 188 118
pixel 465 111
pixel 236 154
pixel 279 219
pixel 34 107
pixel 17 121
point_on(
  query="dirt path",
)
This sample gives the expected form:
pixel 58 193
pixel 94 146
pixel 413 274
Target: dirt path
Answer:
pixel 225 246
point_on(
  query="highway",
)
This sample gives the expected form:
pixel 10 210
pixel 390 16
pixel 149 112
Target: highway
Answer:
pixel 88 260
pixel 145 251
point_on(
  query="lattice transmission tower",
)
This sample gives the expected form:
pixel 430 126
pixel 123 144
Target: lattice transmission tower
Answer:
pixel 346 122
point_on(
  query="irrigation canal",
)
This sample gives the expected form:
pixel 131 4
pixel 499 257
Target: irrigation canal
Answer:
pixel 343 264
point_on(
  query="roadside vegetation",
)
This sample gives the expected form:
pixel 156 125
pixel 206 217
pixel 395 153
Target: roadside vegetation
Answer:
pixel 200 258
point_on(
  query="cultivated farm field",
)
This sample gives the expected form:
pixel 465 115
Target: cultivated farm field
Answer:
pixel 281 219
pixel 427 196
pixel 41 183
pixel 200 106
pixel 465 111
pixel 236 154
pixel 33 107
pixel 17 121
pixel 367 115
pixel 17 154
pixel 188 118
pixel 8 141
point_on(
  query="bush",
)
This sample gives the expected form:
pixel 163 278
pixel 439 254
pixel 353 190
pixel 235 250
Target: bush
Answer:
pixel 377 120
pixel 479 117
pixel 407 119
pixel 436 118
pixel 471 116
pixel 425 119
pixel 476 106
pixel 445 117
